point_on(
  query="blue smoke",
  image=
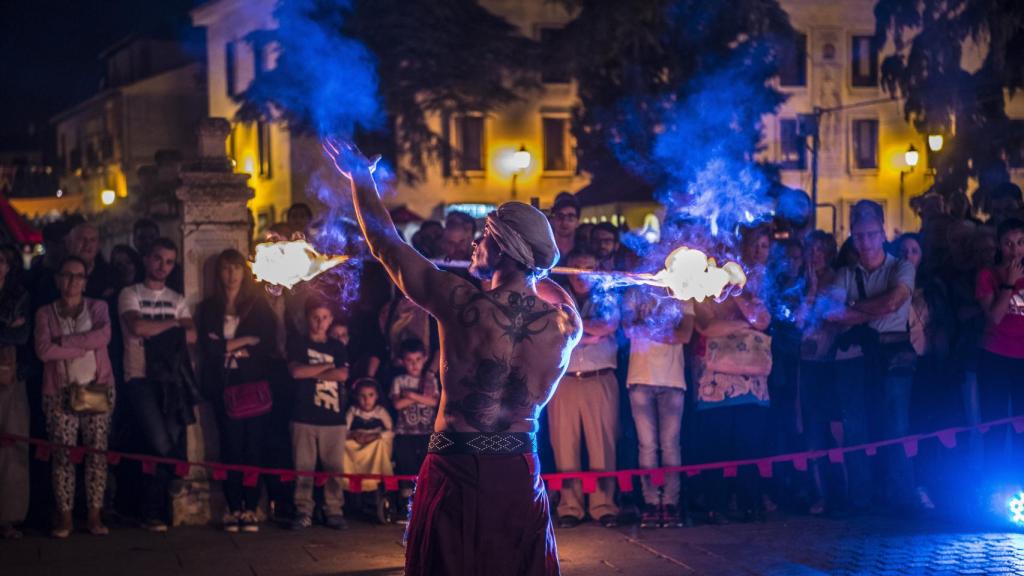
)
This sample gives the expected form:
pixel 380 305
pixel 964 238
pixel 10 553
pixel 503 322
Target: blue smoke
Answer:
pixel 323 78
pixel 325 82
pixel 703 161
pixel 706 150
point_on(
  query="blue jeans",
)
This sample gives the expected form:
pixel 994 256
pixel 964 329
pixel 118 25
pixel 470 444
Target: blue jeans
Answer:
pixel 889 394
pixel 658 413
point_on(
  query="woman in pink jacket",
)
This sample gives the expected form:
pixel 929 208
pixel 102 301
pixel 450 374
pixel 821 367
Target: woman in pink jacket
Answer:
pixel 71 338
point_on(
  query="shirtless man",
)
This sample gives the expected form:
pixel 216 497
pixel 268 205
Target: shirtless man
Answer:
pixel 480 505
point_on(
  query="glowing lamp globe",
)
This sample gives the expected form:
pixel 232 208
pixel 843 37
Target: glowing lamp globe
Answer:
pixel 911 156
pixel 935 142
pixel 521 159
pixel 108 197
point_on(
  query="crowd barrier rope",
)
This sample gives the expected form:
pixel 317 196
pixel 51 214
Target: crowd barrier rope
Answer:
pixel 44 449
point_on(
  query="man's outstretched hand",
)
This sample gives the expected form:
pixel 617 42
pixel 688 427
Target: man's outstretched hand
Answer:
pixel 349 161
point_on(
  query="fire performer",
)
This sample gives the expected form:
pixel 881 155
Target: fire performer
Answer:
pixel 480 505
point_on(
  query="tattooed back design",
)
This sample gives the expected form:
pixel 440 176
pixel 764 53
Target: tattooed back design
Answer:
pixel 504 353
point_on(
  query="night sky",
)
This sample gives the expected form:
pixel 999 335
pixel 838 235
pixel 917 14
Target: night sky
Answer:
pixel 49 49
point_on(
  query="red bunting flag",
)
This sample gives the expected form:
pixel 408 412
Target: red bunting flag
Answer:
pixel 149 466
pixel 658 477
pixel 355 483
pixel 910 447
pixel 948 438
pixel 589 484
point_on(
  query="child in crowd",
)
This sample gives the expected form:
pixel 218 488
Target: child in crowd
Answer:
pixel 319 366
pixel 415 396
pixel 339 332
pixel 368 447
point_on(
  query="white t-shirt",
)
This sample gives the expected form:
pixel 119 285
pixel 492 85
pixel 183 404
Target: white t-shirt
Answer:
pixel 655 364
pixel 164 304
pixel 81 370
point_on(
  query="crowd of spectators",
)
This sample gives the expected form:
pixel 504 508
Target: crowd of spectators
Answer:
pixel 827 346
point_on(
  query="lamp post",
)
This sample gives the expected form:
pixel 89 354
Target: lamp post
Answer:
pixel 911 157
pixel 520 161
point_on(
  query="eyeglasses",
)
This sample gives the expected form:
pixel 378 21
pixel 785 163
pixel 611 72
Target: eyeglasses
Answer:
pixel 70 276
pixel 862 236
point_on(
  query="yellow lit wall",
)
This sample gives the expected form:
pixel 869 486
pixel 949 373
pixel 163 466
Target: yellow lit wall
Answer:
pixel 230 21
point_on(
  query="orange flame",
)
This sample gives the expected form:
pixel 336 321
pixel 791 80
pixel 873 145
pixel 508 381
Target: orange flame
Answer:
pixel 288 263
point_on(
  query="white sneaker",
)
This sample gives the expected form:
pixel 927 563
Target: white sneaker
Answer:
pixel 248 522
pixel 231 520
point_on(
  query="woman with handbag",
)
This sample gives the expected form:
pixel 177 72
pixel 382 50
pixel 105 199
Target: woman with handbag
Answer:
pixel 14 414
pixel 237 341
pixel 733 360
pixel 71 339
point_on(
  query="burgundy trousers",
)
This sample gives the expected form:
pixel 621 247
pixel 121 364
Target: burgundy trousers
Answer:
pixel 480 515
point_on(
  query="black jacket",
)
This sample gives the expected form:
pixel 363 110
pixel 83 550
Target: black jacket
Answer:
pixel 258 321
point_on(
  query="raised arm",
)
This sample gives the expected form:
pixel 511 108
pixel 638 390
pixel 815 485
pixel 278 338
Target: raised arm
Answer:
pixel 414 275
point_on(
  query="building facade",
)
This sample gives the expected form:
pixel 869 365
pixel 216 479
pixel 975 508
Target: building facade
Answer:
pixel 285 166
pixel 152 100
pixel 526 150
pixel 864 140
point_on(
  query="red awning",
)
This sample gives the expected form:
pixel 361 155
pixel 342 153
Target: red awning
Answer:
pixel 16 226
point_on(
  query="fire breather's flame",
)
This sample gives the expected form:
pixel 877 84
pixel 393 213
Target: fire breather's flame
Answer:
pixel 288 263
pixel 690 275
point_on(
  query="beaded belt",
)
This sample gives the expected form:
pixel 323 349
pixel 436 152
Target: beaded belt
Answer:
pixel 482 443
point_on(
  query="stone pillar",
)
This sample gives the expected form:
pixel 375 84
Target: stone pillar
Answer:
pixel 214 217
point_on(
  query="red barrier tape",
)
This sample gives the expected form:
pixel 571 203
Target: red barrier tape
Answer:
pixel 555 481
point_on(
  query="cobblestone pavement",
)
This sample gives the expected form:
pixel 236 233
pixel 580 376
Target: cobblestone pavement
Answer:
pixel 798 546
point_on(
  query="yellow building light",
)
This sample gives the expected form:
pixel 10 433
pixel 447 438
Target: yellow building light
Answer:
pixel 107 197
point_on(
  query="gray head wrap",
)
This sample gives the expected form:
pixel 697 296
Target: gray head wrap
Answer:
pixel 524 234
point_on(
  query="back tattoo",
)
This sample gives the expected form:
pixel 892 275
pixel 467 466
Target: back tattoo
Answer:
pixel 497 389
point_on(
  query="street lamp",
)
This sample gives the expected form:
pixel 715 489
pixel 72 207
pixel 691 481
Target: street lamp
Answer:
pixel 108 197
pixel 520 162
pixel 935 142
pixel 911 157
